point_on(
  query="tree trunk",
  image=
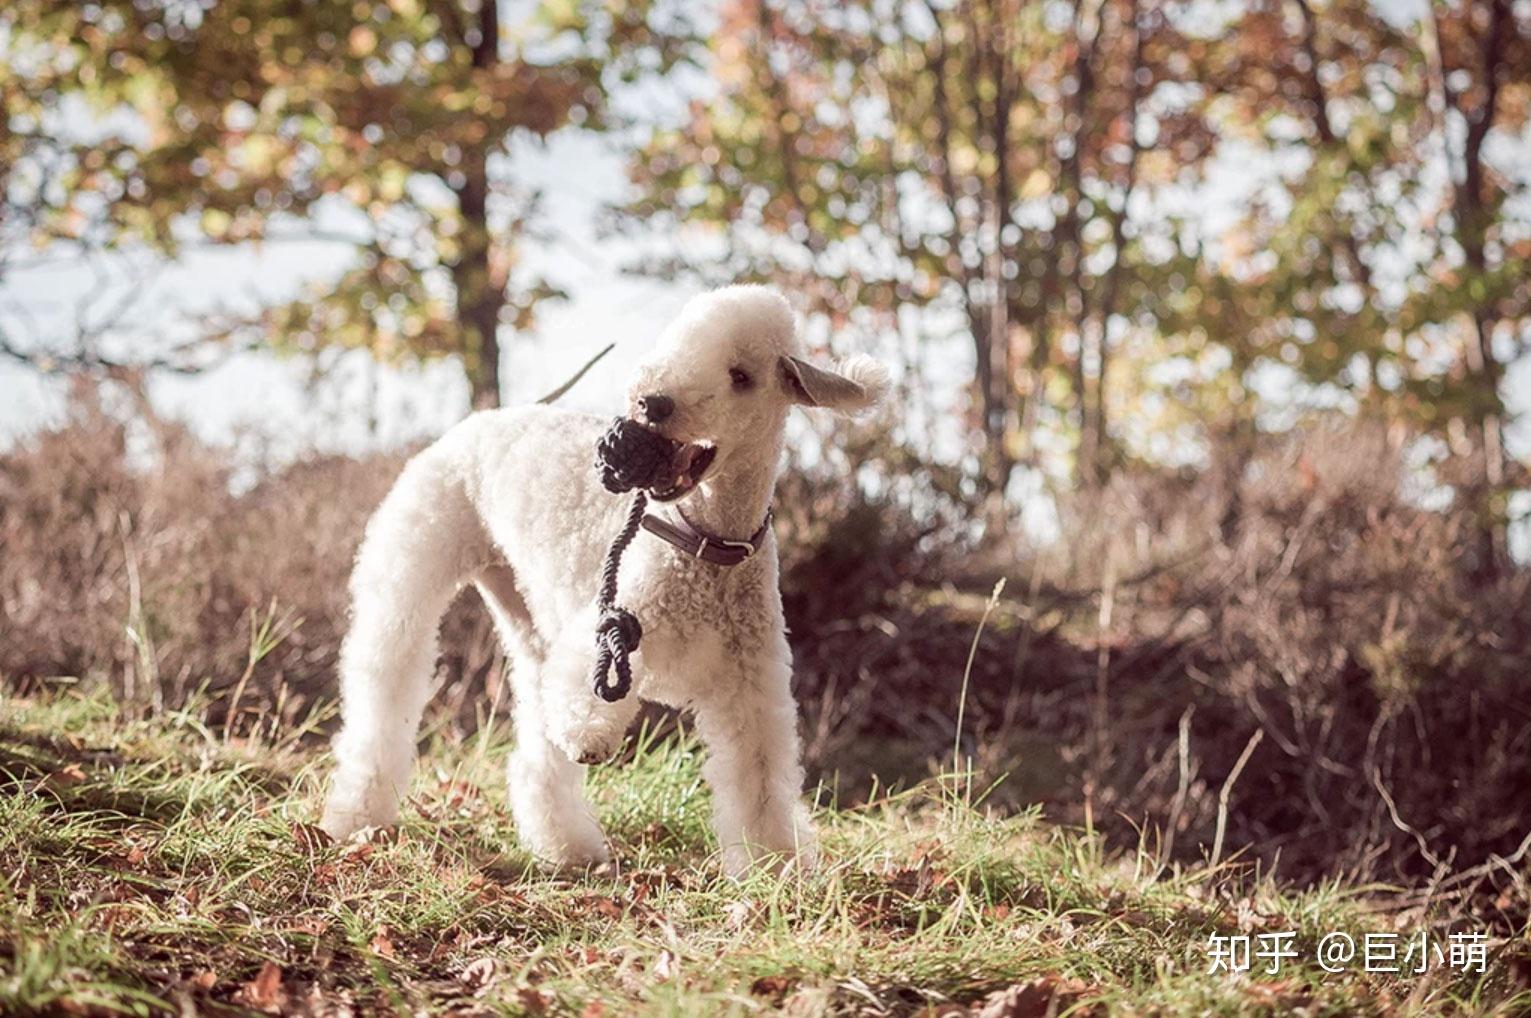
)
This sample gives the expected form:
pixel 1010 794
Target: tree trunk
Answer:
pixel 479 300
pixel 1070 239
pixel 480 296
pixel 1112 284
pixel 1471 212
pixel 996 464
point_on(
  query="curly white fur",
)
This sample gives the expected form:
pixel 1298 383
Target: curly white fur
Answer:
pixel 509 501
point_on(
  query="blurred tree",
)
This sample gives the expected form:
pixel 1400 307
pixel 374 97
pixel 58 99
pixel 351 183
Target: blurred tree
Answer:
pixel 971 165
pixel 1226 191
pixel 379 125
pixel 1388 250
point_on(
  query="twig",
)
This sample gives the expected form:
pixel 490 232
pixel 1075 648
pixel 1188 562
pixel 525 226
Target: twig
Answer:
pixel 565 387
pixel 1177 805
pixel 146 665
pixel 1399 822
pixel 1227 790
pixel 1103 658
pixel 1494 862
pixel 967 672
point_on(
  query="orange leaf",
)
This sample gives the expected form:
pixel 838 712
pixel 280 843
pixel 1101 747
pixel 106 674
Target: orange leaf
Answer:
pixel 310 838
pixel 69 774
pixel 534 1000
pixel 264 992
pixel 381 944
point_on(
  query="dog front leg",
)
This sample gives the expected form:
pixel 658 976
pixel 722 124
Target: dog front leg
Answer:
pixel 587 728
pixel 546 788
pixel 756 776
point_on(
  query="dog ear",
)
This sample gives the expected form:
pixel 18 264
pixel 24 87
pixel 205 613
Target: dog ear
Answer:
pixel 855 385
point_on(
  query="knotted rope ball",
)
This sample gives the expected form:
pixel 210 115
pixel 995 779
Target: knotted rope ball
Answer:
pixel 627 456
pixel 631 456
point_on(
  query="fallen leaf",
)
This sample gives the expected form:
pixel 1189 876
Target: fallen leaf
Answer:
pixel 666 965
pixel 593 1009
pixel 478 974
pixel 607 907
pixel 310 838
pixel 109 916
pixel 69 774
pixel 774 987
pixel 358 852
pixel 460 792
pixel 313 926
pixel 534 1000
pixel 381 944
pixel 1281 993
pixel 737 913
pixel 264 992
pixel 1044 996
pixel 204 979
pixel 445 944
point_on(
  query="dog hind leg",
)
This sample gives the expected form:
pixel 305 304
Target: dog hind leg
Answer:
pixel 422 542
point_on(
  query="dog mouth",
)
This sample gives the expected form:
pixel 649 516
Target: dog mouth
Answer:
pixel 688 463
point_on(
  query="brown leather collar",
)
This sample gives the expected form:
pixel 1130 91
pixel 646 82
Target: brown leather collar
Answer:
pixel 720 551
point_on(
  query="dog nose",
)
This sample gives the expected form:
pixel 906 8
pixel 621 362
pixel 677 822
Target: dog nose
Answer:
pixel 656 408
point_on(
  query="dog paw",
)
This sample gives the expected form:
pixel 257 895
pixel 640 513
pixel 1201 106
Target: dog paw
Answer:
pixel 580 860
pixel 342 825
pixel 798 855
pixel 589 744
pixel 595 755
pixel 348 811
pixel 569 850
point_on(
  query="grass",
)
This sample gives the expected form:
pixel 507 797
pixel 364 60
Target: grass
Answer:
pixel 151 866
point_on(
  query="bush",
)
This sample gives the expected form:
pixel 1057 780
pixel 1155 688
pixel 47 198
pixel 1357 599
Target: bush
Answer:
pixel 147 572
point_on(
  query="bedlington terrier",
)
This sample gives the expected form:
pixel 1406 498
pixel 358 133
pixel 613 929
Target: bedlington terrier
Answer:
pixel 509 500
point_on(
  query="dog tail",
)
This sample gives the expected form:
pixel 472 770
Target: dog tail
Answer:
pixel 421 545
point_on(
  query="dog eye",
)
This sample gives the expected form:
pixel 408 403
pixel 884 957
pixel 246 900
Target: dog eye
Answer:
pixel 740 378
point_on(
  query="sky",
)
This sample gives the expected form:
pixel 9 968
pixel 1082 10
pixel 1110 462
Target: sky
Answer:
pixel 264 399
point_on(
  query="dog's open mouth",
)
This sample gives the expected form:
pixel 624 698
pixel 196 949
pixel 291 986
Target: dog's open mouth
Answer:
pixel 688 462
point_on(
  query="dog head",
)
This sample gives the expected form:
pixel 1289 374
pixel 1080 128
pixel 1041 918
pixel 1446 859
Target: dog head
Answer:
pixel 722 378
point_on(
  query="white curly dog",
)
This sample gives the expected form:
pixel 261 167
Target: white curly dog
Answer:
pixel 510 501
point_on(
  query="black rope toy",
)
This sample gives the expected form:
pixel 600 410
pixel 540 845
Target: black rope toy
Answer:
pixel 628 456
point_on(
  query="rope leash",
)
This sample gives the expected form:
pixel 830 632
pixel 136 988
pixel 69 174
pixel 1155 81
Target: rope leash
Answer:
pixel 618 630
pixel 628 456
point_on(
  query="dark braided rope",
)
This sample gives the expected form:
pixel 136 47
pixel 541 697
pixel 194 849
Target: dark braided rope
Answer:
pixel 618 630
pixel 627 456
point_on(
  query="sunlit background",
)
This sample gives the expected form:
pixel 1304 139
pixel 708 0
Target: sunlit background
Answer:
pixel 1254 210
pixel 1208 321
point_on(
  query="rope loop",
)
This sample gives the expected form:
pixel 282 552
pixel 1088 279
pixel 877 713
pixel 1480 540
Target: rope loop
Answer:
pixel 618 631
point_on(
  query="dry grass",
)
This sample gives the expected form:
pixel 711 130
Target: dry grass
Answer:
pixel 153 867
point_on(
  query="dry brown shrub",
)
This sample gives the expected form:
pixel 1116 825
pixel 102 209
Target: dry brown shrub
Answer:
pixel 130 560
pixel 1291 588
